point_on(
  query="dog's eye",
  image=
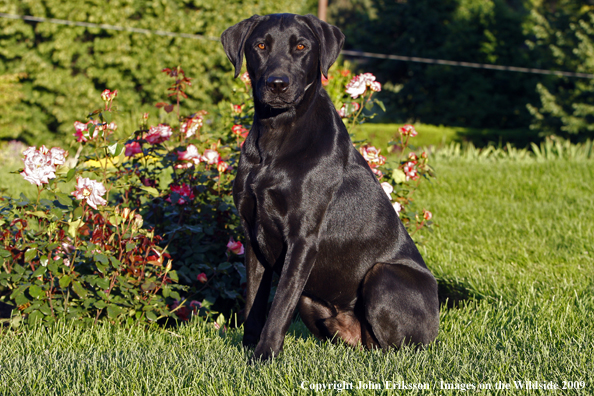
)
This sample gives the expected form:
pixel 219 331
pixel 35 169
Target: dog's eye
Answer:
pixel 300 47
pixel 262 46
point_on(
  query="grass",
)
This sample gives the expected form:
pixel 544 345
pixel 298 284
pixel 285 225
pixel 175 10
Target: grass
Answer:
pixel 432 135
pixel 514 246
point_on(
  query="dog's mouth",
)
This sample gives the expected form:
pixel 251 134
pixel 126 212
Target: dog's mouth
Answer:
pixel 279 103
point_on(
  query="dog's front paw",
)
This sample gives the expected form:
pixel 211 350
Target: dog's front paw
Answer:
pixel 264 353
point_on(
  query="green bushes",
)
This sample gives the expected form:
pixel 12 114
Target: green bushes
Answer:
pixel 64 65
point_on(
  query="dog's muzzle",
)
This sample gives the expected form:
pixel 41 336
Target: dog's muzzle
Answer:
pixel 277 84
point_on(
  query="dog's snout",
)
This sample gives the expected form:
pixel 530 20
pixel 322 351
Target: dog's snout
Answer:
pixel 277 84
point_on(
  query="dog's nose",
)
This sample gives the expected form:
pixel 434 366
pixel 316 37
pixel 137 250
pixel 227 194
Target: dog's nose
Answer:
pixel 277 84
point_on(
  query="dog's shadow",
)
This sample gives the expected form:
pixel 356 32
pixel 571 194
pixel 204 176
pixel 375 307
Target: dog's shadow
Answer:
pixel 453 294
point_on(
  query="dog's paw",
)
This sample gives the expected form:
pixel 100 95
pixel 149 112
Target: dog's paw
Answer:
pixel 263 353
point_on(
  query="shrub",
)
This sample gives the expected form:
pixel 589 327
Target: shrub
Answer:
pixel 73 64
pixel 150 231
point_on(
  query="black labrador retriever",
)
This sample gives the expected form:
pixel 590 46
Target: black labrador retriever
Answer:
pixel 311 208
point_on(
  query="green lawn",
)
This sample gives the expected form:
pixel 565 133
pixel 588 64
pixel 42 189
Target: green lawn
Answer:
pixel 515 246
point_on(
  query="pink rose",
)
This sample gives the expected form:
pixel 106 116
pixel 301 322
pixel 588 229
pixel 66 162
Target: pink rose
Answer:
pixel 410 171
pixel 40 165
pixel 58 156
pixel 90 190
pixel 235 247
pixel 211 156
pixel 191 154
pixel 222 166
pixel 372 155
pixel 388 189
pixel 202 278
pixel 377 173
pixel 427 215
pixel 375 86
pixel 191 126
pixel 407 130
pixel 185 192
pixel 158 134
pixel 397 207
pixel 245 77
pixel 358 85
pixel 239 130
pixel 108 96
pixel 133 149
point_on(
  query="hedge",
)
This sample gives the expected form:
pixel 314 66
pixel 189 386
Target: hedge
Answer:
pixel 66 65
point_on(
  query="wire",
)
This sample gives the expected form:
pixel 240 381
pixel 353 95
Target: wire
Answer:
pixel 361 54
pixel 465 64
pixel 108 27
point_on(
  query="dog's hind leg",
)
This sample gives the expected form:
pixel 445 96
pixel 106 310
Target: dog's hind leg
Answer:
pixel 401 304
pixel 327 323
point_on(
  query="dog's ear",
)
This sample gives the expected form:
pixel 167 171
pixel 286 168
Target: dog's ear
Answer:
pixel 331 40
pixel 233 40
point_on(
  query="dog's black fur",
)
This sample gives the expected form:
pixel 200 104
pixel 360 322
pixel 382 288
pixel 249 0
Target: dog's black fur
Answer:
pixel 311 208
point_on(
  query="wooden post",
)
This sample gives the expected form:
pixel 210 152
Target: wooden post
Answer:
pixel 322 7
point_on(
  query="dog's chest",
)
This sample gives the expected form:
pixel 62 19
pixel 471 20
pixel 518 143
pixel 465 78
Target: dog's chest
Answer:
pixel 265 205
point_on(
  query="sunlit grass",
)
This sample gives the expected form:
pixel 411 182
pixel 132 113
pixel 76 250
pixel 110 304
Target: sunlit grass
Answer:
pixel 514 243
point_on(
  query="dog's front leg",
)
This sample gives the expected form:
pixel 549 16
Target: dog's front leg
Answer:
pixel 299 261
pixel 259 280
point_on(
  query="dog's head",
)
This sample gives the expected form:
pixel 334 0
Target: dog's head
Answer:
pixel 285 54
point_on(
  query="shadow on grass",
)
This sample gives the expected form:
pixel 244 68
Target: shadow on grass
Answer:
pixel 499 137
pixel 453 293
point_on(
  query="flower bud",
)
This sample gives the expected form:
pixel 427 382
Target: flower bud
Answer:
pixel 138 220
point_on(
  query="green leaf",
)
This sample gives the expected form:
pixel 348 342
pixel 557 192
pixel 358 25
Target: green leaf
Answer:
pixel 398 176
pixel 73 226
pixel 78 212
pixel 35 291
pixel 100 304
pixel 115 149
pixel 65 281
pixel 115 262
pixel 173 276
pixel 54 267
pixel 4 253
pixel 18 269
pixel 30 255
pixel 130 246
pixel 103 283
pixel 69 176
pixel 113 311
pixel 91 130
pixel 79 289
pixel 21 299
pixel 102 258
pixel 24 201
pixel 224 266
pixel 106 115
pixel 35 317
pixel 148 286
pixel 151 316
pixel 38 213
pixel 44 260
pixel 45 309
pixel 39 271
pixel 380 104
pixel 151 190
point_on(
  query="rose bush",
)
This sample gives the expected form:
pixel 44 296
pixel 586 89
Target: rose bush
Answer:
pixel 149 231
